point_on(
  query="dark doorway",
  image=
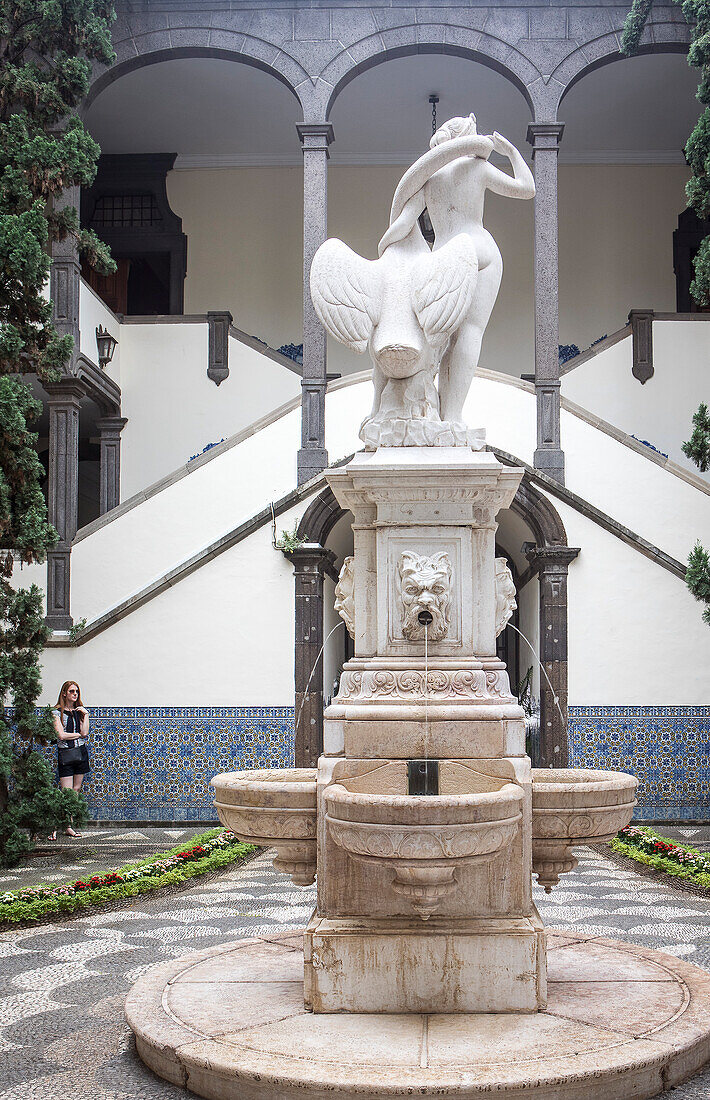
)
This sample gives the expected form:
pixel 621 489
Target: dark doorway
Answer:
pixel 127 206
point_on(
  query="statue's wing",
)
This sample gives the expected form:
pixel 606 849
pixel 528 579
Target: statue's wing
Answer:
pixel 346 293
pixel 442 287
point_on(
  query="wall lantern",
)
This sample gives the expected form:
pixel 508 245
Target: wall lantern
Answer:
pixel 106 344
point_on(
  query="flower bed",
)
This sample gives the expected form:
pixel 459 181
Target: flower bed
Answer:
pixel 645 846
pixel 208 852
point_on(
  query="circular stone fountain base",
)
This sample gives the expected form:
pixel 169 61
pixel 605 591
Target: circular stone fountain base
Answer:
pixel 229 1022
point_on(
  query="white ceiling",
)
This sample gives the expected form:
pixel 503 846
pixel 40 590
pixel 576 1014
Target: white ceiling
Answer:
pixel 214 112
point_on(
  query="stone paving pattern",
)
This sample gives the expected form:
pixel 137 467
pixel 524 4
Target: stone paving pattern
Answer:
pixel 95 852
pixel 62 1033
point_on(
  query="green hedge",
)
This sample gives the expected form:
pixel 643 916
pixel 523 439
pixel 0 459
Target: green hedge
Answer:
pixel 210 851
pixel 645 846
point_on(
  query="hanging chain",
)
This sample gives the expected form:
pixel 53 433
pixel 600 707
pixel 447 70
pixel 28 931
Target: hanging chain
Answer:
pixel 433 99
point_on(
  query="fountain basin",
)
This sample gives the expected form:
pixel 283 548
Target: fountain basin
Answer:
pixel 574 806
pixel 423 839
pixel 273 807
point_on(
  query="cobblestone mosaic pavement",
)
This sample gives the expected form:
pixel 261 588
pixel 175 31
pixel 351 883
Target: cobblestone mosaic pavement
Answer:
pixel 95 851
pixel 62 987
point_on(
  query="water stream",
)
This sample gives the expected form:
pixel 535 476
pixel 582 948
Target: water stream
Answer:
pixel 541 667
pixel 426 691
pixel 315 666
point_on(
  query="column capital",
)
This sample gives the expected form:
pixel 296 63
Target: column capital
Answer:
pixel 312 558
pixel 545 135
pixel 66 390
pixel 551 559
pixel 316 136
pixel 111 425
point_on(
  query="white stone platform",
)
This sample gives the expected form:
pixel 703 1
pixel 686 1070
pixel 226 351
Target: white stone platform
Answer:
pixel 229 1022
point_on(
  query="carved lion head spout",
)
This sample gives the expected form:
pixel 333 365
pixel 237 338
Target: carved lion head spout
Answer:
pixel 424 585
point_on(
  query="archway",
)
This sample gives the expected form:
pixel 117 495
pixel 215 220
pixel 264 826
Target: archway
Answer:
pixel 548 557
pixel 234 181
pixel 373 147
pixel 621 182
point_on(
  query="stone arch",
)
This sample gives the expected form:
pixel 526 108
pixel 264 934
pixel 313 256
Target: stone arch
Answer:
pixel 540 515
pixel 469 43
pixel 288 71
pixel 668 37
pixel 549 559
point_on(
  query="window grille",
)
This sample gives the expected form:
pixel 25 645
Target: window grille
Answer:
pixel 126 211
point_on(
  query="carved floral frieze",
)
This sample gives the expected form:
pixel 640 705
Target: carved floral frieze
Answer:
pixel 408 686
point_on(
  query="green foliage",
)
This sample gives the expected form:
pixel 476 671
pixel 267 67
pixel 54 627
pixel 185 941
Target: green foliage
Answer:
pixel 697 449
pixel 289 541
pixel 697 149
pixel 634 26
pixel 47 48
pixel 28 906
pixel 662 854
pixel 76 629
pixel 697 577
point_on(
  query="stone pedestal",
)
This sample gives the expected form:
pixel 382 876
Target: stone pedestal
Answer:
pixel 424 901
pixel 372 965
pixel 228 1023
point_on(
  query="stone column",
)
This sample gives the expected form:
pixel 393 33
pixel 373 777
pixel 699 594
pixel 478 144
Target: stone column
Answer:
pixel 64 397
pixel 110 428
pixel 549 456
pixel 551 564
pixel 65 274
pixel 313 457
pixel 310 563
pixel 63 493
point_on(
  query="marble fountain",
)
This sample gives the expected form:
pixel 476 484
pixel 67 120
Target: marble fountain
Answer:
pixel 425 969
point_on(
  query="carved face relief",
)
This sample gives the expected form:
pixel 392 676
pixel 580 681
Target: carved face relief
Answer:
pixel 345 595
pixel 505 595
pixel 424 584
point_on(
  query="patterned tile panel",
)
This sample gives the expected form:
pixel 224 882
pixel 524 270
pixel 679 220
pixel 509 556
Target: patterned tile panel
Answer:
pixel 155 764
pixel 666 748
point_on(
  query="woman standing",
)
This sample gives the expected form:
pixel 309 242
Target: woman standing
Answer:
pixel 71 724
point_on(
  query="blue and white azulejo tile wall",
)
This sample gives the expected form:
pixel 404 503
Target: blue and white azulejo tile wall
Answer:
pixel 666 748
pixel 155 764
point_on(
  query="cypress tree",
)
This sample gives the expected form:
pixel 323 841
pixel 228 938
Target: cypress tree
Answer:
pixel 697 575
pixel 46 52
pixel 697 449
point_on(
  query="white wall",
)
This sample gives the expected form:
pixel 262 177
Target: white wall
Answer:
pixel 174 410
pixel 636 635
pixel 245 246
pixel 244 228
pixel 158 534
pixel 92 313
pixel 616 245
pixel 661 410
pixel 223 637
pixel 225 634
pixel 136 548
pixel 661 507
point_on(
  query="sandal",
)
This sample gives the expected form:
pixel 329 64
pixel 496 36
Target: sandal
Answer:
pixel 70 832
pixel 52 836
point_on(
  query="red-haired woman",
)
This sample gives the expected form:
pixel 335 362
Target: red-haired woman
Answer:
pixel 71 724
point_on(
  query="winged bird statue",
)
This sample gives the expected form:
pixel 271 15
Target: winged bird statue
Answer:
pixel 418 312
